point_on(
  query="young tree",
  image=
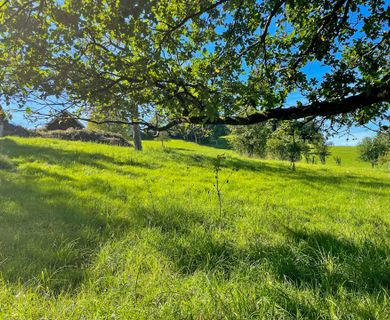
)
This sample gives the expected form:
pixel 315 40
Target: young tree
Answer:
pixel 371 149
pixel 285 143
pixel 163 136
pixel 321 149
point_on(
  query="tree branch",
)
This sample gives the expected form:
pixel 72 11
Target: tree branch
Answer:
pixel 191 16
pixel 377 94
pixel 263 36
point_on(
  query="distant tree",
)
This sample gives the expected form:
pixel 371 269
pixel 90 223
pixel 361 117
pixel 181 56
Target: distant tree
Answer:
pixel 285 143
pixel 192 132
pixel 314 140
pixel 385 159
pixel 371 149
pixel 251 140
pixel 321 149
pixel 163 136
pixel 384 139
pixel 217 131
pixel 95 115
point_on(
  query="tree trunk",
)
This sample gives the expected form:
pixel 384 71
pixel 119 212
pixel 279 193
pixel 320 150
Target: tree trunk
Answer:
pixel 293 166
pixel 136 129
pixel 1 128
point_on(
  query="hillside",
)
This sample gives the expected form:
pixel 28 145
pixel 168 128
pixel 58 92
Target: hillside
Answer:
pixel 91 231
pixel 349 157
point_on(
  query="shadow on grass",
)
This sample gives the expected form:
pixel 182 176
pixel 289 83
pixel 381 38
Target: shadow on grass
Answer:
pixel 47 234
pixel 309 259
pixel 66 158
pixel 316 260
pixel 309 177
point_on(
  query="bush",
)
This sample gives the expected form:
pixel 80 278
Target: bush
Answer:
pixel 84 135
pixel 6 163
pixel 14 130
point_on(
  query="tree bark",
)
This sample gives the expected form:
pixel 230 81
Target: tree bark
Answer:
pixel 1 128
pixel 137 140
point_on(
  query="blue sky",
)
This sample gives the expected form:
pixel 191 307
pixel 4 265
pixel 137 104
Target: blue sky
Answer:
pixel 356 135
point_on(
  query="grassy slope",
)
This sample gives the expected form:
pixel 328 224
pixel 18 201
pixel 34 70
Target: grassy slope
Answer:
pixel 97 231
pixel 349 157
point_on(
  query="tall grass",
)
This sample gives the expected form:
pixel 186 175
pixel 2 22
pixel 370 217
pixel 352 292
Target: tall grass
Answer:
pixel 100 232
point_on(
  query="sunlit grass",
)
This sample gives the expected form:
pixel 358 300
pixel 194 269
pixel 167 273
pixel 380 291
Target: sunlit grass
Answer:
pixel 94 231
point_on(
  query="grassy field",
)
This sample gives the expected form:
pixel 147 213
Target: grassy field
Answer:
pixel 349 157
pixel 90 231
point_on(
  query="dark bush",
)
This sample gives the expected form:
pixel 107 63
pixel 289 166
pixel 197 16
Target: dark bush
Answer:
pixel 83 135
pixel 14 130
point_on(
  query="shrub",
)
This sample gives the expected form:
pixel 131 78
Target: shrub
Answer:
pixel 84 135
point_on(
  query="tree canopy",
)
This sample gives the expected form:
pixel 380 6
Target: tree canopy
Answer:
pixel 198 61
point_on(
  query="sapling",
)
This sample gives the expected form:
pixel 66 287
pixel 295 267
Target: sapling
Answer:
pixel 163 136
pixel 219 182
pixel 337 160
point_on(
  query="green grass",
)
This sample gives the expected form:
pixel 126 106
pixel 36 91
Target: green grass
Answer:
pixel 5 162
pixel 349 157
pixel 91 231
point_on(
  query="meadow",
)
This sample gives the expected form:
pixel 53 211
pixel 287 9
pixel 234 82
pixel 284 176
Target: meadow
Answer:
pixel 90 231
